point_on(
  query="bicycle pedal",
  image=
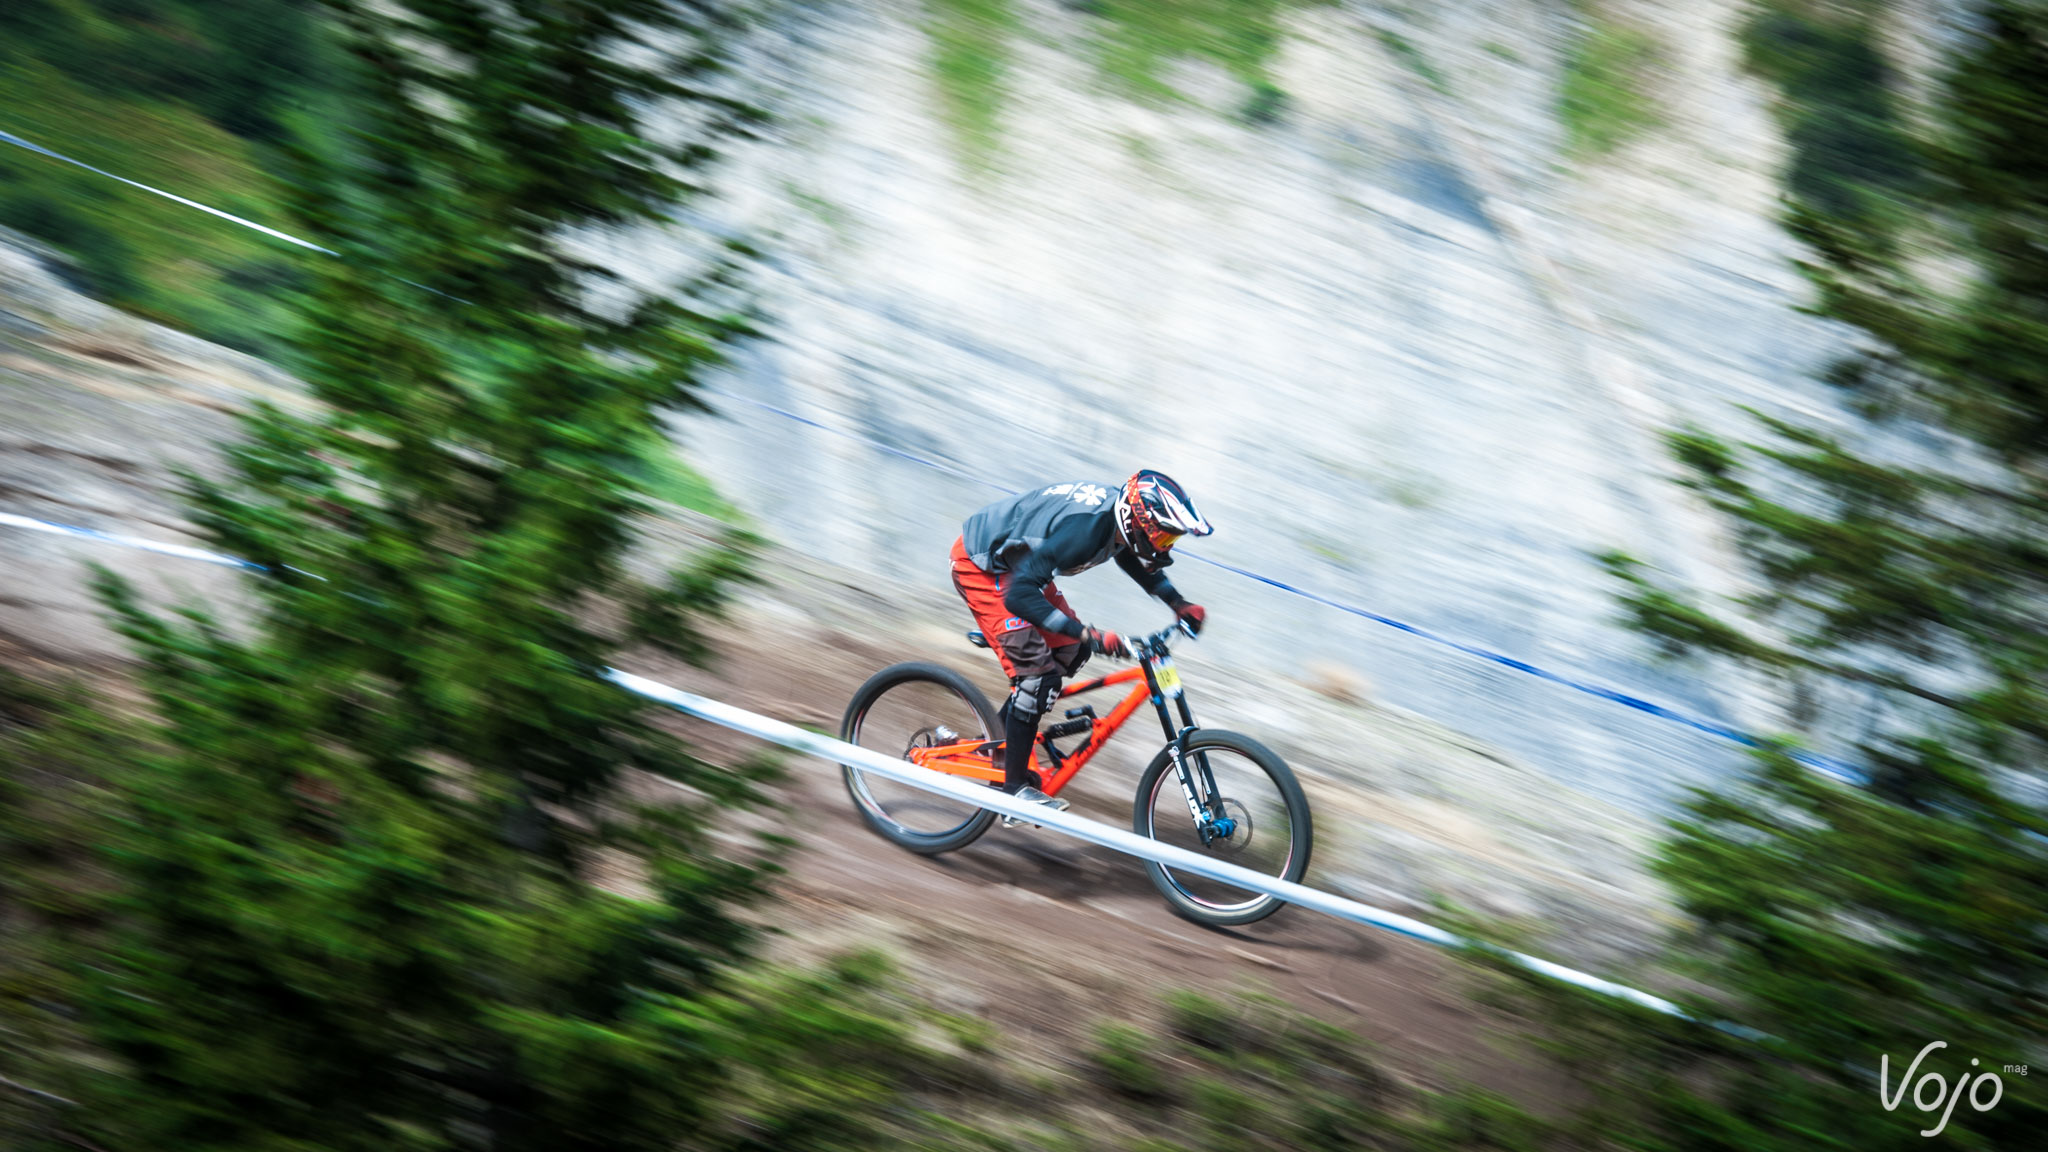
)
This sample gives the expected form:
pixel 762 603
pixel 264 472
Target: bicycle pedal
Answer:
pixel 1057 805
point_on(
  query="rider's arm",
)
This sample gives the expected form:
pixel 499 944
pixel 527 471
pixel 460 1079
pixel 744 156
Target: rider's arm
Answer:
pixel 1154 583
pixel 1025 596
pixel 1073 543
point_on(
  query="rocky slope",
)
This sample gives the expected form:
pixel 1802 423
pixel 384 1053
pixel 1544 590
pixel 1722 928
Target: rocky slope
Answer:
pixel 1409 349
pixel 102 409
pixel 1406 353
pixel 98 412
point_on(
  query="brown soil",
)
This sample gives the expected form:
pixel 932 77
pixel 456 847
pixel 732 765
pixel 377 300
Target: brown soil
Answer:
pixel 1046 937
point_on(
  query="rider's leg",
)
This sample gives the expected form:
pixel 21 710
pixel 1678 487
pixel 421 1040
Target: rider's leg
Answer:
pixel 1035 662
pixel 1031 697
pixel 1028 702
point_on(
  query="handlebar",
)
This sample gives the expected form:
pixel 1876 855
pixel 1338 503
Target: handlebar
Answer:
pixel 1158 643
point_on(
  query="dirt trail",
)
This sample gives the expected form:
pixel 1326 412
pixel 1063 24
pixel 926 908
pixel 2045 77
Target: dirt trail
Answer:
pixel 1044 936
pixel 1032 932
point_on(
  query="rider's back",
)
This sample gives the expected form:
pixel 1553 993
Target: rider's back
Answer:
pixel 1070 527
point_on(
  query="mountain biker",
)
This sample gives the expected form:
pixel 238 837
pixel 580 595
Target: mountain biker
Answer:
pixel 1004 564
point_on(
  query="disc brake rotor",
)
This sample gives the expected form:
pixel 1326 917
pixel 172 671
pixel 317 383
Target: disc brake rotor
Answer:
pixel 1233 837
pixel 929 738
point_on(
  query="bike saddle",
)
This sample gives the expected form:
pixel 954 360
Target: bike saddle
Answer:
pixel 977 639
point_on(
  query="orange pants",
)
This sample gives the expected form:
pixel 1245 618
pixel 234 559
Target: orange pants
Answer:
pixel 1025 649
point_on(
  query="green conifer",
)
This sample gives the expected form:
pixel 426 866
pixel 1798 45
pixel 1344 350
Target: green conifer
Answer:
pixel 354 908
pixel 1855 926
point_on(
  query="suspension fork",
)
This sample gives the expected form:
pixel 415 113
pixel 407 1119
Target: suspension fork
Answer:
pixel 1191 770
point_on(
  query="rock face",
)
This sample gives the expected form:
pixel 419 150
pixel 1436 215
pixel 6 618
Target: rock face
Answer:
pixel 1406 812
pixel 1404 353
pixel 1406 356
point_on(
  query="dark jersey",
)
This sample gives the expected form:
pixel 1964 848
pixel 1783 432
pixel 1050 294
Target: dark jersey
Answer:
pixel 1048 532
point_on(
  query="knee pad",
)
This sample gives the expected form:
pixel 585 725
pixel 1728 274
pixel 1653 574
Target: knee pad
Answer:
pixel 1032 695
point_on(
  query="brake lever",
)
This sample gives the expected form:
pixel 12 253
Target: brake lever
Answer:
pixel 1158 642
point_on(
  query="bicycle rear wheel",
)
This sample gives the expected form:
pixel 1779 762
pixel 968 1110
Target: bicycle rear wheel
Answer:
pixel 1269 831
pixel 909 706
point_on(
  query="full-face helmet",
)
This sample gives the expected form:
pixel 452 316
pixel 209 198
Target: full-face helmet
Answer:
pixel 1152 513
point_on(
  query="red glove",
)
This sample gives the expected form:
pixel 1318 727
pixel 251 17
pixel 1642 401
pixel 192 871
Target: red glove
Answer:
pixel 1193 615
pixel 1106 643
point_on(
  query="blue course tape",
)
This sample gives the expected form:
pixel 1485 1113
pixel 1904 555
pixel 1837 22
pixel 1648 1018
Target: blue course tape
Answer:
pixel 1827 765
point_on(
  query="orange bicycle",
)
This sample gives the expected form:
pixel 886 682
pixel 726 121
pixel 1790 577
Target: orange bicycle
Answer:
pixel 1214 792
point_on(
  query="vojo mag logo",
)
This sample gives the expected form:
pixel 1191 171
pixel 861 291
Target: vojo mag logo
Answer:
pixel 1945 1095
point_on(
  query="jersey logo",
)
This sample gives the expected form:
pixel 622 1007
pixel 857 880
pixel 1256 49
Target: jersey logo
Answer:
pixel 1014 623
pixel 1090 494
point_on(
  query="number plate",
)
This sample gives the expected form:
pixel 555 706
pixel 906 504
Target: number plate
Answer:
pixel 1164 675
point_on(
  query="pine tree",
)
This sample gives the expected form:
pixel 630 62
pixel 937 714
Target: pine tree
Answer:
pixel 353 908
pixel 1851 924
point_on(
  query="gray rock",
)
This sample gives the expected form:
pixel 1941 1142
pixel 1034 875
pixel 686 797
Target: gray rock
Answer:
pixel 1403 354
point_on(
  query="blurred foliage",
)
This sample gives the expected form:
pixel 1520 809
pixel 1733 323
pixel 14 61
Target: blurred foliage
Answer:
pixel 185 95
pixel 1124 1057
pixel 1247 1071
pixel 1848 928
pixel 349 895
pixel 1205 1021
pixel 1851 156
pixel 236 62
pixel 970 58
pixel 1141 39
pixel 54 753
pixel 814 1059
pixel 1605 98
pixel 827 1059
pixel 1137 42
pixel 669 477
pixel 1853 927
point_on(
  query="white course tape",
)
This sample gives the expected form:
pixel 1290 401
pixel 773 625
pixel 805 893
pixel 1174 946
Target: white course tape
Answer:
pixel 1129 843
pixel 981 796
pixel 11 520
pixel 11 138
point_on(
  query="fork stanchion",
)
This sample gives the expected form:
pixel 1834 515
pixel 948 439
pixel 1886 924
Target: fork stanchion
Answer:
pixel 1094 832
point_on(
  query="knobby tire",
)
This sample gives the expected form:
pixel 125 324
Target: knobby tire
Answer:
pixel 1160 774
pixel 871 693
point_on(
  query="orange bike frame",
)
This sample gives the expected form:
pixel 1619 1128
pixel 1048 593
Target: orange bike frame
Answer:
pixel 975 759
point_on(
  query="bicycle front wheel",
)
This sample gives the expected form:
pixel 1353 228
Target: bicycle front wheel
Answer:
pixel 1256 817
pixel 908 706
